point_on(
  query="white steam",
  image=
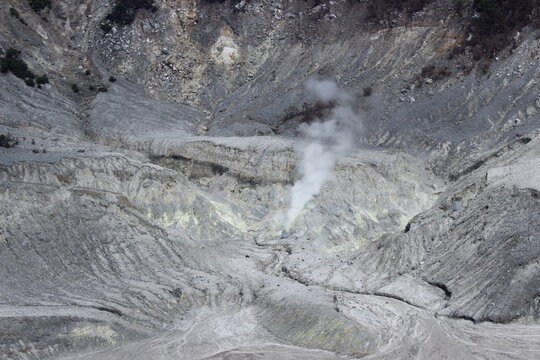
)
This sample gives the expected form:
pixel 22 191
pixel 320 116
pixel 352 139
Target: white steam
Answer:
pixel 324 143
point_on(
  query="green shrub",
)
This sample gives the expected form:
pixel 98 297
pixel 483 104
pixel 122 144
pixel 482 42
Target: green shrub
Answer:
pixel 87 73
pixel 103 89
pixel 15 13
pixel 13 63
pixel 30 82
pixel 8 141
pixel 434 73
pixel 12 53
pixel 43 79
pixel 38 5
pixel 75 88
pixel 106 28
pixel 368 91
pixel 112 79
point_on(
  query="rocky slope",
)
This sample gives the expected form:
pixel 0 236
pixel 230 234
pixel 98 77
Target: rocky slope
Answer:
pixel 140 222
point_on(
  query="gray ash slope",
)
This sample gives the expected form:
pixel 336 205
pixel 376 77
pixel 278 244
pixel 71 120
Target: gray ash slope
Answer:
pixel 139 222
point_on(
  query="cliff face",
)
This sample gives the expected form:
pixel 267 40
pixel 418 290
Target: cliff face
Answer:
pixel 140 206
pixel 243 65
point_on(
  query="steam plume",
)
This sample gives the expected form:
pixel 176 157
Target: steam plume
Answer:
pixel 324 143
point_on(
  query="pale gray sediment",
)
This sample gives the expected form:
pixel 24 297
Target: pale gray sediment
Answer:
pixel 146 230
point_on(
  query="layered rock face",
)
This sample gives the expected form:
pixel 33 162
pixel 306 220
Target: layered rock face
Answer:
pixel 144 221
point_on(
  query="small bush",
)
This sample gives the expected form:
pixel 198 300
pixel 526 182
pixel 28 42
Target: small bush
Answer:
pixel 124 11
pixel 38 5
pixel 30 82
pixel 103 89
pixel 12 53
pixel 106 28
pixel 12 63
pixel 92 88
pixel 368 91
pixel 43 79
pixel 7 141
pixel 15 13
pixel 434 73
pixel 87 73
pixel 112 79
pixel 75 88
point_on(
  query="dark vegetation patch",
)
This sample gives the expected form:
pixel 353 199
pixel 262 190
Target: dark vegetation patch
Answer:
pixel 112 79
pixel 15 13
pixel 433 73
pixel 492 24
pixel 75 88
pixel 176 292
pixel 124 12
pixel 368 91
pixel 497 22
pixel 309 112
pixel 13 63
pixel 7 141
pixel 38 5
pixel 106 28
pixel 43 79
